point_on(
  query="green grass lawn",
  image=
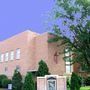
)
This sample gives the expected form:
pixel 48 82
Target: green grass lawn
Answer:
pixel 85 88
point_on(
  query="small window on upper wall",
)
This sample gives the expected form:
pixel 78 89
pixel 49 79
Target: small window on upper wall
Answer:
pixel 6 56
pixel 2 57
pixel 12 55
pixel 18 54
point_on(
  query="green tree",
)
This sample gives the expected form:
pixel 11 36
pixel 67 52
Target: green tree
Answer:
pixel 87 81
pixel 5 83
pixel 74 16
pixel 2 77
pixel 43 69
pixel 17 81
pixel 75 82
pixel 29 82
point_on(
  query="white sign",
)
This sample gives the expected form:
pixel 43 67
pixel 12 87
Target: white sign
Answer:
pixel 9 86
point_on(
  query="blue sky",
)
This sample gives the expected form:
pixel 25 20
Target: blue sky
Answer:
pixel 19 15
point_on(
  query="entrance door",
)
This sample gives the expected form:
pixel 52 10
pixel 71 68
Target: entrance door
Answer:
pixel 51 84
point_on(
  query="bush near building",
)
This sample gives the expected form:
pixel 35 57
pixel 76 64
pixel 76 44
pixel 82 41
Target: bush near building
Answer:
pixel 29 82
pixel 2 77
pixel 17 81
pixel 75 82
pixel 43 69
pixel 87 81
pixel 5 82
pixel 68 82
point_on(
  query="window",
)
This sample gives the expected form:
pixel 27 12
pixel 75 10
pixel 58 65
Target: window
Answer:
pixel 18 54
pixel 2 57
pixel 6 56
pixel 18 68
pixel 51 84
pixel 67 52
pixel 68 68
pixel 6 69
pixel 12 55
pixel 68 58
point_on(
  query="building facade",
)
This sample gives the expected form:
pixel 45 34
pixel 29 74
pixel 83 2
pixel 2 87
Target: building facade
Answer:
pixel 24 51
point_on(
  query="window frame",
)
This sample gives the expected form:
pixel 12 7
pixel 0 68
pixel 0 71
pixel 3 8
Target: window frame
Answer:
pixel 6 56
pixel 2 57
pixel 12 55
pixel 68 61
pixel 18 53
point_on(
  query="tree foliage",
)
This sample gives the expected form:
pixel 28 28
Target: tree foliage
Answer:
pixel 2 77
pixel 87 81
pixel 5 83
pixel 43 69
pixel 75 19
pixel 29 82
pixel 75 82
pixel 17 81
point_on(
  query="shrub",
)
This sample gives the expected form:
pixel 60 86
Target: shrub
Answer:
pixel 35 85
pixel 5 83
pixel 1 79
pixel 68 82
pixel 43 69
pixel 29 82
pixel 87 81
pixel 17 81
pixel 75 82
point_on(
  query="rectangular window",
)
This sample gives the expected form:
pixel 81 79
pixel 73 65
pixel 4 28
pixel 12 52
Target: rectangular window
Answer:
pixel 2 57
pixel 51 85
pixel 67 54
pixel 68 68
pixel 68 63
pixel 6 69
pixel 18 54
pixel 68 59
pixel 18 68
pixel 12 55
pixel 6 56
